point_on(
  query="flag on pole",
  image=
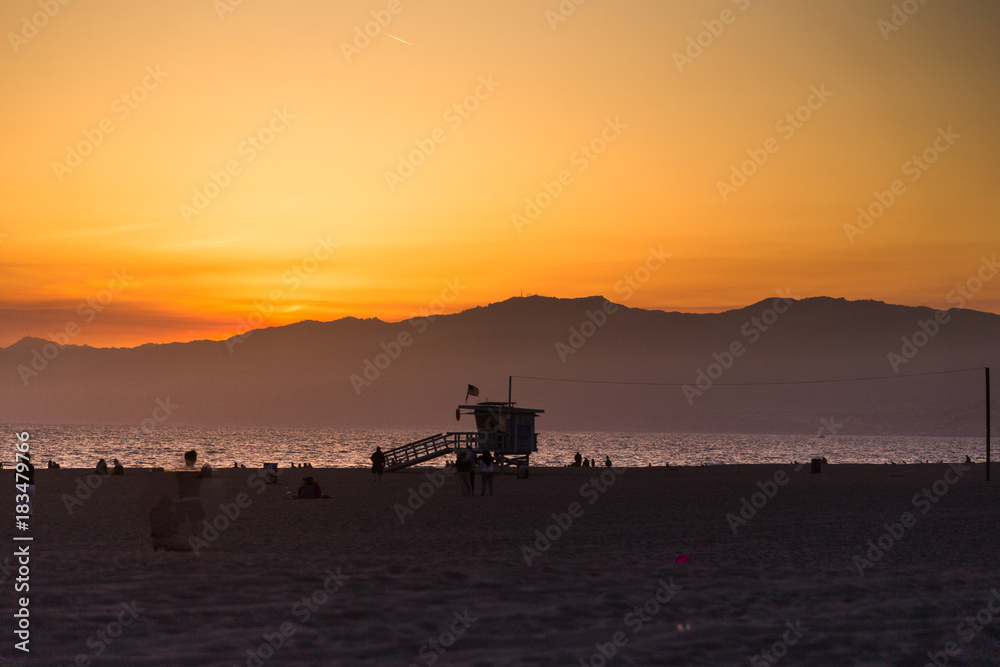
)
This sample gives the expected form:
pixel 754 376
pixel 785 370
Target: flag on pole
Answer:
pixel 473 391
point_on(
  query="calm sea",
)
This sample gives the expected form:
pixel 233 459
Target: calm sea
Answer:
pixel 81 446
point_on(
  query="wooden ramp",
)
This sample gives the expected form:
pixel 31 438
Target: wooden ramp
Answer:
pixel 428 448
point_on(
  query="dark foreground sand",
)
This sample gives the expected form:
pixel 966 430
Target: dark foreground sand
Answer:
pixel 349 583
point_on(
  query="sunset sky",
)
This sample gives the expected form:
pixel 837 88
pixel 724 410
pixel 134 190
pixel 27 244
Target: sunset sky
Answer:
pixel 378 176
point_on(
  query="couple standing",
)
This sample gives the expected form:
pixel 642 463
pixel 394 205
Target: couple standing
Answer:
pixel 466 465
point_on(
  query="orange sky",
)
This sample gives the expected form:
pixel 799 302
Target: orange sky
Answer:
pixel 307 225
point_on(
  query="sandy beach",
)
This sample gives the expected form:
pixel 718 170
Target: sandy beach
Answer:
pixel 569 565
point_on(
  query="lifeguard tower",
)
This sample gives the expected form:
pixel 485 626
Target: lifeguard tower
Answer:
pixel 501 428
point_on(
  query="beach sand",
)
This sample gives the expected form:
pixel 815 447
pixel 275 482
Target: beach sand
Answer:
pixel 347 581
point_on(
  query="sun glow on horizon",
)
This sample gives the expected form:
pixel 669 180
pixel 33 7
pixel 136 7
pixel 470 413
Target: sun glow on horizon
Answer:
pixel 201 165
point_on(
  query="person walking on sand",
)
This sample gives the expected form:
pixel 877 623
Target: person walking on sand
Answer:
pixel 486 470
pixel 378 464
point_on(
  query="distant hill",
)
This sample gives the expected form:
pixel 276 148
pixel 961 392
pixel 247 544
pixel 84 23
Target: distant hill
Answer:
pixel 314 373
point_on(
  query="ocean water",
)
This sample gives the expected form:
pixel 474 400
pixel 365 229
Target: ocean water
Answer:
pixel 80 446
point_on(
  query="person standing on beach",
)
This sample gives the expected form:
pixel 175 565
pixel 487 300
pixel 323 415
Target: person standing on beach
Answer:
pixel 607 460
pixel 473 464
pixel 378 464
pixel 486 468
pixel 577 460
pixel 462 468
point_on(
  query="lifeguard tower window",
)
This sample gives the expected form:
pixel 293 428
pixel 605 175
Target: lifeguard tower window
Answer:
pixel 505 429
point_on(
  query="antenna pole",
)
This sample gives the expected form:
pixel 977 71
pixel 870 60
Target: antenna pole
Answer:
pixel 510 383
pixel 987 423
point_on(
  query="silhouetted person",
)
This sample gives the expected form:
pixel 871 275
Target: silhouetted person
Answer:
pixel 586 463
pixel 486 472
pixel 164 527
pixel 190 457
pixel 118 469
pixel 462 468
pixel 577 460
pixel 607 460
pixel 378 464
pixel 309 488
pixel 473 464
pixel 967 459
pixel 102 467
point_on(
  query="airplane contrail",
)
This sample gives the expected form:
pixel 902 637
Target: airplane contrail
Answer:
pixel 400 40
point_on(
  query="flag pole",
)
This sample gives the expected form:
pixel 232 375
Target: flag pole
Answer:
pixel 510 382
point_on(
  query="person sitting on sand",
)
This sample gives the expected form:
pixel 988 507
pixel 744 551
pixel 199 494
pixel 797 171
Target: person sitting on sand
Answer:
pixel 118 469
pixel 378 464
pixel 190 457
pixel 586 463
pixel 164 527
pixel 310 489
pixel 967 459
pixel 102 467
